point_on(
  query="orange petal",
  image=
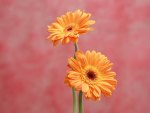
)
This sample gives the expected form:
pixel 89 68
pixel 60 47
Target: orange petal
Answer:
pixel 85 17
pixel 65 40
pixel 78 86
pixel 82 59
pixel 96 94
pixel 87 24
pixel 60 21
pixel 85 87
pixel 88 56
pixel 110 81
pixel 107 85
pixel 78 14
pixel 97 89
pixel 73 75
pixel 58 26
pixel 83 30
pixel 105 90
pixel 110 74
pixel 73 63
pixel 74 39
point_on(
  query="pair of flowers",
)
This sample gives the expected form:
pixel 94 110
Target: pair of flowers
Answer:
pixel 90 72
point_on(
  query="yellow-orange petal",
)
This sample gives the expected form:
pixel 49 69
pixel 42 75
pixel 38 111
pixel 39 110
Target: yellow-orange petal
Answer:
pixel 85 87
pixel 105 90
pixel 81 59
pixel 74 64
pixel 112 81
pixel 73 75
pixel 87 24
pixel 107 85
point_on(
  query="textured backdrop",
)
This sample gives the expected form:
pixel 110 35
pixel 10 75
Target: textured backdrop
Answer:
pixel 32 70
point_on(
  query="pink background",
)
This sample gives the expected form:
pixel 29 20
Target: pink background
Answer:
pixel 32 70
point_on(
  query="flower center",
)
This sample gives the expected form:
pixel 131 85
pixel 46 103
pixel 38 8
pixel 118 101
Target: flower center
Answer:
pixel 91 75
pixel 69 28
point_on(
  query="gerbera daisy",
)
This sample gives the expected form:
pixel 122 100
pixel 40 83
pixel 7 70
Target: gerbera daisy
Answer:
pixel 68 27
pixel 91 73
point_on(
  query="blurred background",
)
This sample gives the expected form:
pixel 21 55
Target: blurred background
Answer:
pixel 32 70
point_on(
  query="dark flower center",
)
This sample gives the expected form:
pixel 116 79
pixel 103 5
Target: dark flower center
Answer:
pixel 69 29
pixel 91 75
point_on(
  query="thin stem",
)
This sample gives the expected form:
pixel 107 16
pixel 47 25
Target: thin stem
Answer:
pixel 73 90
pixel 74 101
pixel 80 102
pixel 76 47
pixel 80 93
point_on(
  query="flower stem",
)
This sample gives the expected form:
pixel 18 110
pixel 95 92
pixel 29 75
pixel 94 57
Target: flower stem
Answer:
pixel 80 102
pixel 73 90
pixel 74 101
pixel 76 47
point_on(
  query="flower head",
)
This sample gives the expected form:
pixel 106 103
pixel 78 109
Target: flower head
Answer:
pixel 91 73
pixel 68 27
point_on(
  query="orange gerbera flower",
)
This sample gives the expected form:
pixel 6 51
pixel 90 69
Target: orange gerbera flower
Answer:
pixel 91 73
pixel 68 27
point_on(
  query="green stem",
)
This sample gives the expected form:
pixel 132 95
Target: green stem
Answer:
pixel 76 47
pixel 73 90
pixel 80 102
pixel 80 93
pixel 74 101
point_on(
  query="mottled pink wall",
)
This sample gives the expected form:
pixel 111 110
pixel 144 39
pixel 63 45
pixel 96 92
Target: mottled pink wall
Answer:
pixel 32 70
